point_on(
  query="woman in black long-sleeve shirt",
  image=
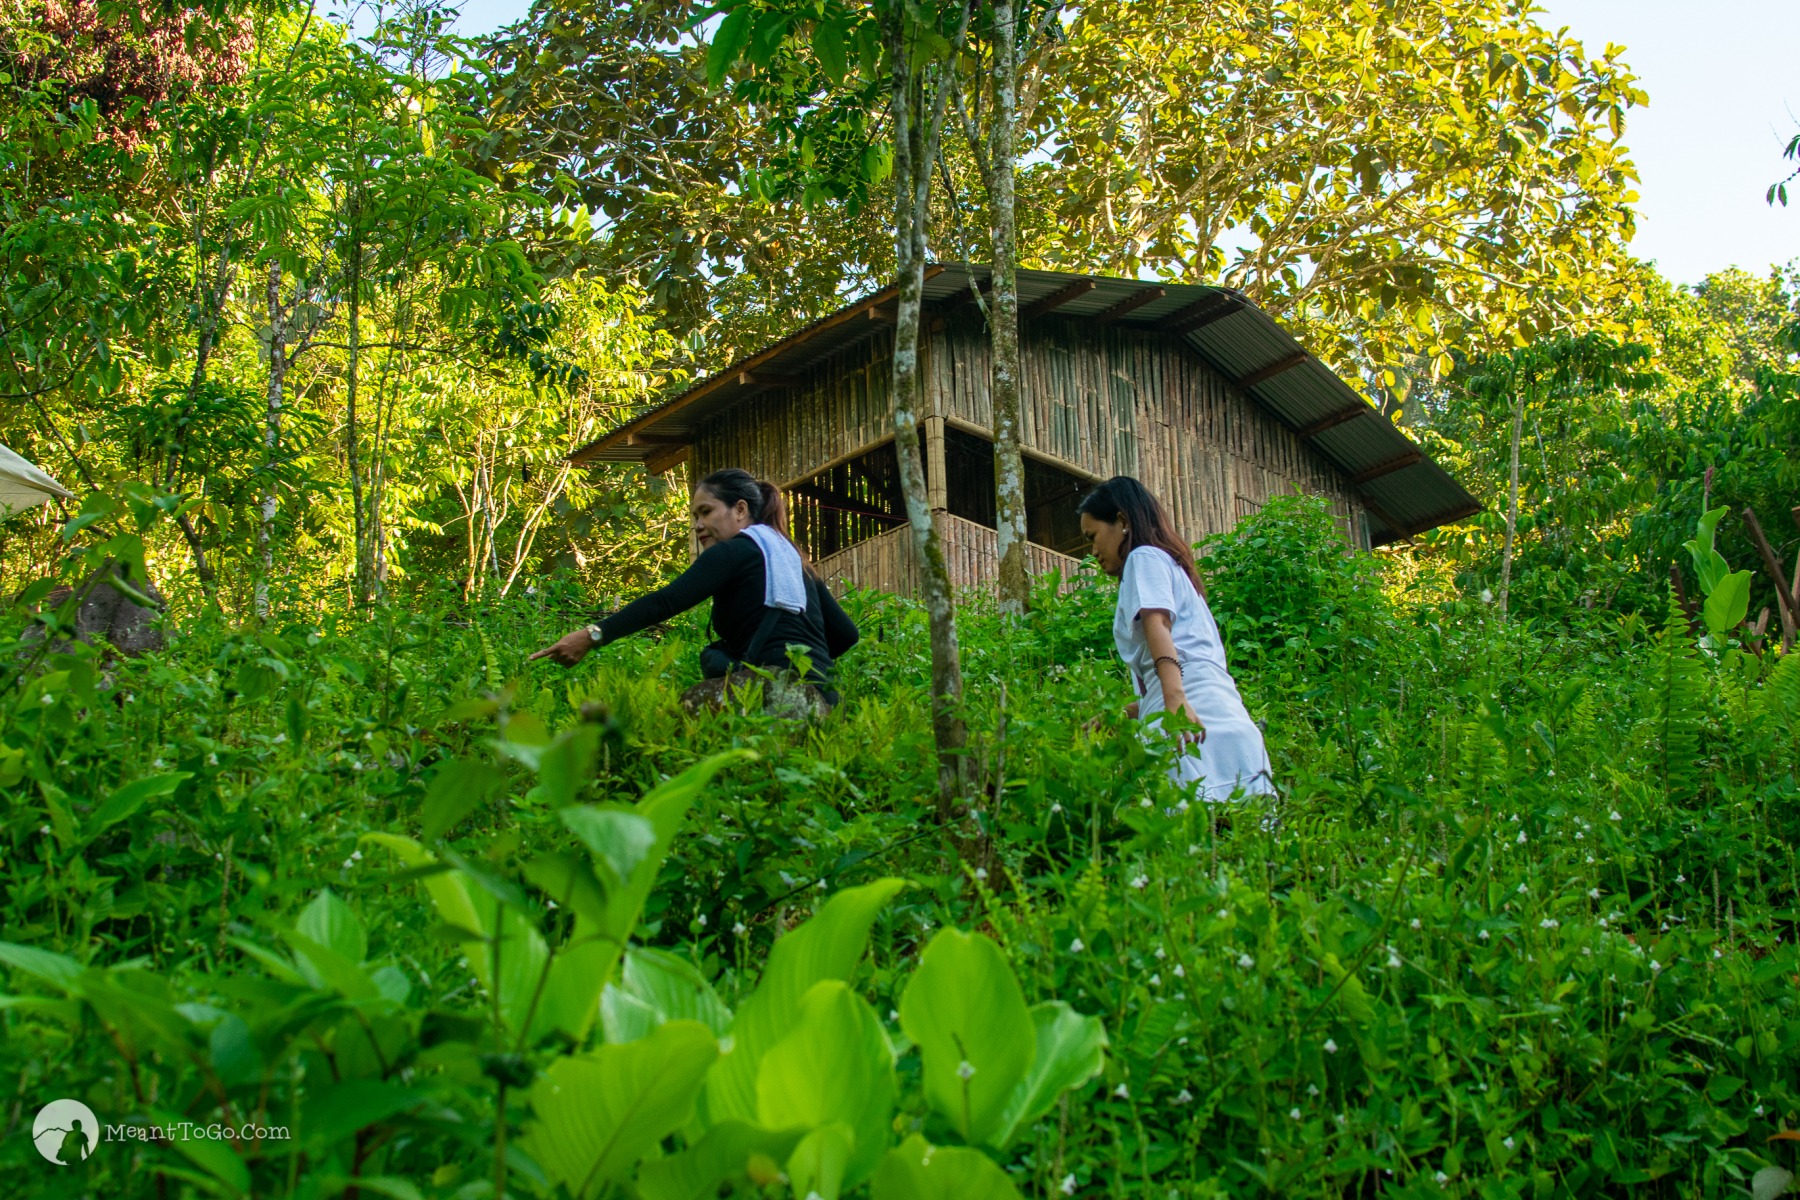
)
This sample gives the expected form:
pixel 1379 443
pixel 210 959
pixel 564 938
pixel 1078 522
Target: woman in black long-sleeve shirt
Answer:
pixel 732 570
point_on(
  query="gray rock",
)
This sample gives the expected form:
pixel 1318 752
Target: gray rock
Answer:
pixel 109 615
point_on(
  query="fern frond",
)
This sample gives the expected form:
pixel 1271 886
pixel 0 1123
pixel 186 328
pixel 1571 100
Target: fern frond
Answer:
pixel 1679 691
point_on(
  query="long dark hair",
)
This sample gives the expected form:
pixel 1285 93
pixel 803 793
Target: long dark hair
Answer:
pixel 1123 496
pixel 761 497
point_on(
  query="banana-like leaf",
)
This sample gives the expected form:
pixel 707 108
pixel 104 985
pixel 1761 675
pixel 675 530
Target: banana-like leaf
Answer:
pixel 826 947
pixel 833 1071
pixel 1071 1049
pixel 598 1115
pixel 964 1009
pixel 655 986
pixel 917 1170
pixel 731 1151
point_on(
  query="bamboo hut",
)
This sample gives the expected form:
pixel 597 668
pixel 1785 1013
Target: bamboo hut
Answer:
pixel 1193 389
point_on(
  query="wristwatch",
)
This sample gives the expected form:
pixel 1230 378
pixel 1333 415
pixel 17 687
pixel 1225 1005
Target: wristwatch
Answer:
pixel 595 633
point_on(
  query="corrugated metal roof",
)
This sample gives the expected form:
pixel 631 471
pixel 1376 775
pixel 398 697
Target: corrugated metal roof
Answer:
pixel 1405 491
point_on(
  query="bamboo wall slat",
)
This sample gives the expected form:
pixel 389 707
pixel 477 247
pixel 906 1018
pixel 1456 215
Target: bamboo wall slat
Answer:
pixel 1115 400
pixel 971 552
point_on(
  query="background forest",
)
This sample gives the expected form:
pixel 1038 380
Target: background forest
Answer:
pixel 307 322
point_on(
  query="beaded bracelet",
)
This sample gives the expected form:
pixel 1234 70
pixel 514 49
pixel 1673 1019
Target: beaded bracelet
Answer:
pixel 1162 658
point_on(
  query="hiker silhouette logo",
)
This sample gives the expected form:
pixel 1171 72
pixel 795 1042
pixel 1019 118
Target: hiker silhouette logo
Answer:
pixel 65 1131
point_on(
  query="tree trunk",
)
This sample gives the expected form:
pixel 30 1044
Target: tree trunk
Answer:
pixel 364 586
pixel 1009 463
pixel 265 527
pixel 1512 503
pixel 914 149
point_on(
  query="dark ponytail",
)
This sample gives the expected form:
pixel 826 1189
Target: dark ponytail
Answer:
pixel 761 497
pixel 1123 496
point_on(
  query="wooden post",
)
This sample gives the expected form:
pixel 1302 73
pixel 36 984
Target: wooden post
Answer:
pixel 1784 596
pixel 937 490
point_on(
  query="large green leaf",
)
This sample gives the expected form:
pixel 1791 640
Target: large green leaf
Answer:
pixel 131 797
pixel 599 1114
pixel 820 1163
pixel 826 947
pixel 1071 1049
pixel 834 1069
pixel 463 904
pixel 459 788
pixel 917 1170
pixel 619 839
pixel 57 969
pixel 728 42
pixel 730 1151
pixel 1728 602
pixel 964 1009
pixel 655 986
pixel 334 925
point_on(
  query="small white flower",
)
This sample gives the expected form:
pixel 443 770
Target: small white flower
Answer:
pixel 356 854
pixel 1587 952
pixel 740 929
pixel 1161 953
pixel 1593 893
pixel 1076 946
pixel 1393 961
pixel 1068 1185
pixel 727 1044
pixel 1330 1046
pixel 1180 971
pixel 1122 1092
pixel 159 764
pixel 1483 935
pixel 1487 596
pixel 46 698
pixel 1184 1097
pixel 820 885
pixel 1759 1110
pixel 1144 803
pixel 981 874
pixel 1681 879
pixel 701 920
pixel 1655 966
pixel 893 1014
pixel 1312 1089
pixel 130 696
pixel 1553 772
pixel 1246 962
pixel 348 864
pixel 1223 913
pixel 1056 808
pixel 965 1070
pixel 1416 923
pixel 1523 889
pixel 1294 1114
pixel 1156 981
pixel 1522 840
pixel 1508 1143
pixel 1441 1178
pixel 1140 881
pixel 1615 815
pixel 1717 953
pixel 43 829
pixel 1193 848
pixel 1549 923
pixel 212 760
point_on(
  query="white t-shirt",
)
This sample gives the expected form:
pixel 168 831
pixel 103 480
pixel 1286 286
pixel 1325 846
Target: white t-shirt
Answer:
pixel 1233 757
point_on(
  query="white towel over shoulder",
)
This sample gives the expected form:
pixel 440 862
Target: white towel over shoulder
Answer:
pixel 784 583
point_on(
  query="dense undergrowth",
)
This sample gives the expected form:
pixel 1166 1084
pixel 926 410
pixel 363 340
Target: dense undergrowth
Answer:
pixel 1523 923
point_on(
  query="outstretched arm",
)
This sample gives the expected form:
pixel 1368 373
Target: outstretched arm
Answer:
pixel 710 572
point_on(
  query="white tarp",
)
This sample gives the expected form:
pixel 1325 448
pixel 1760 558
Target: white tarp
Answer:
pixel 23 486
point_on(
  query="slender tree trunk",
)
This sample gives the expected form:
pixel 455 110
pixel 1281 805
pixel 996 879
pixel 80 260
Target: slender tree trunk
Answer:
pixel 364 582
pixel 1009 463
pixel 1512 502
pixel 265 527
pixel 914 149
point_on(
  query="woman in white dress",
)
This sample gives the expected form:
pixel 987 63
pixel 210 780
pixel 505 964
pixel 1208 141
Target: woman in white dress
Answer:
pixel 1170 642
